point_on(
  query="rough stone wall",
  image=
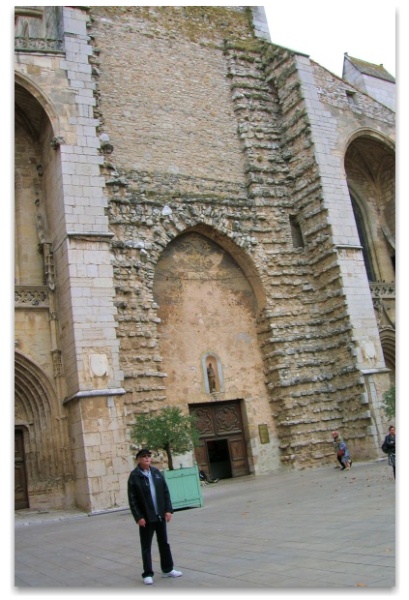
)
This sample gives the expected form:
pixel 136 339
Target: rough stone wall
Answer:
pixel 307 333
pixel 304 329
pixel 153 117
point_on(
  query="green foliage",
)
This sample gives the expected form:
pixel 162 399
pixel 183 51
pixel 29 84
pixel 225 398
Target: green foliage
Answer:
pixel 389 402
pixel 168 430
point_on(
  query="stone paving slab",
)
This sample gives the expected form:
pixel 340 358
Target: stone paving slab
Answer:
pixel 319 529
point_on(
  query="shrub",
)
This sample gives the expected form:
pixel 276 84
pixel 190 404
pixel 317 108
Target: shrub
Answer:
pixel 168 430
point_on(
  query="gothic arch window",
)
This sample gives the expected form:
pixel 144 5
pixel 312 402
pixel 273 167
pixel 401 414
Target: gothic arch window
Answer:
pixel 370 171
pixel 363 238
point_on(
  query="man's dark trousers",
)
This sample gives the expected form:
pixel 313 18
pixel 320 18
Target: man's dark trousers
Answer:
pixel 146 537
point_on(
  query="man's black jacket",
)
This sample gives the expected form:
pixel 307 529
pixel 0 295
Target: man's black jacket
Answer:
pixel 140 499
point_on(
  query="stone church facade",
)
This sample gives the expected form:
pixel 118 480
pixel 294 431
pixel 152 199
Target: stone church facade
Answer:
pixel 203 219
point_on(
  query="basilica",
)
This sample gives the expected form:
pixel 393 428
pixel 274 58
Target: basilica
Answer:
pixel 203 219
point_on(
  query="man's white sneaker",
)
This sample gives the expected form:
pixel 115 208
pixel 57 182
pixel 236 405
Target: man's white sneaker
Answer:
pixel 173 573
pixel 148 580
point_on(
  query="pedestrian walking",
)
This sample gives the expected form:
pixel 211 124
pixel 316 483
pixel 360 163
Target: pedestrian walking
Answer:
pixel 342 452
pixel 388 447
pixel 151 507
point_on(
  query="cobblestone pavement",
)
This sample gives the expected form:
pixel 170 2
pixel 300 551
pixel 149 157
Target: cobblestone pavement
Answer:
pixel 321 529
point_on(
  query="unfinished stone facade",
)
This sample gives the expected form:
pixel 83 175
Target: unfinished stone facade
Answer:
pixel 190 195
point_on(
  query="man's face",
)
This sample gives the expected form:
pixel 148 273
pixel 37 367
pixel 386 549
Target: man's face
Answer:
pixel 144 461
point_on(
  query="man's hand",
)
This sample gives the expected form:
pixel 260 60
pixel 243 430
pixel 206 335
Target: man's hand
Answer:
pixel 168 517
pixel 141 522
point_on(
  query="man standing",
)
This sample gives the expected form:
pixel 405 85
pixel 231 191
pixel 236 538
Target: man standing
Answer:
pixel 388 447
pixel 151 507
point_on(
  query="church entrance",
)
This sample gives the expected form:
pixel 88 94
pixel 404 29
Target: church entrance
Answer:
pixel 219 458
pixel 222 451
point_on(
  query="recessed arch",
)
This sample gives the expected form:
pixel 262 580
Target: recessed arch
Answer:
pixel 34 405
pixel 370 171
pixel 31 102
pixel 369 133
pixel 207 307
pixel 242 258
pixel 388 341
pixel 34 394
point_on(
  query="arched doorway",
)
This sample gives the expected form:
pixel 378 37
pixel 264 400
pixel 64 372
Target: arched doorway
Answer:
pixel 42 459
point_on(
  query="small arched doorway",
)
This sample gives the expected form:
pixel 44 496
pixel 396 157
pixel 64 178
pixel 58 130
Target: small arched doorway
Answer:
pixel 42 464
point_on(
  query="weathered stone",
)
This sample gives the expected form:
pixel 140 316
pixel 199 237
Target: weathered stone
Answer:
pixel 185 156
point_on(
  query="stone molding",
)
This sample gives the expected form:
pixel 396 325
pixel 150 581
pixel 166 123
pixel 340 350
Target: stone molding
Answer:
pixel 94 394
pixel 31 296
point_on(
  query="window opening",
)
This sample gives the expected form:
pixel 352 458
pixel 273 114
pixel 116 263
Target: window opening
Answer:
pixel 296 233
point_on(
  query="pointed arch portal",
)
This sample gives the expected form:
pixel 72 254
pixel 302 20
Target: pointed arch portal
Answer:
pixel 209 298
pixel 35 441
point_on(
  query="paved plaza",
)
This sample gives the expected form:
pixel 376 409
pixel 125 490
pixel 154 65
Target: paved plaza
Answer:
pixel 319 529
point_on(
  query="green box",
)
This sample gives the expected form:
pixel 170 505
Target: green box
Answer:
pixel 184 487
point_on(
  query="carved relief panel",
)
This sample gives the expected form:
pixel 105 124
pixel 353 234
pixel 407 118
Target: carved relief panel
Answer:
pixel 221 423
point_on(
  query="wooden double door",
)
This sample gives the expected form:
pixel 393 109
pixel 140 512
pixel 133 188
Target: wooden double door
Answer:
pixel 20 477
pixel 222 451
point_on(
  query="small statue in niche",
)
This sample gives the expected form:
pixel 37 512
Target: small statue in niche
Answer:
pixel 211 377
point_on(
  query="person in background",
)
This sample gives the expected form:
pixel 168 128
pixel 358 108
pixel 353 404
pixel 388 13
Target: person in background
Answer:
pixel 388 447
pixel 341 449
pixel 204 478
pixel 151 507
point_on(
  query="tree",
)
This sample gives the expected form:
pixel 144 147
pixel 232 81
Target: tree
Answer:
pixel 389 402
pixel 168 430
